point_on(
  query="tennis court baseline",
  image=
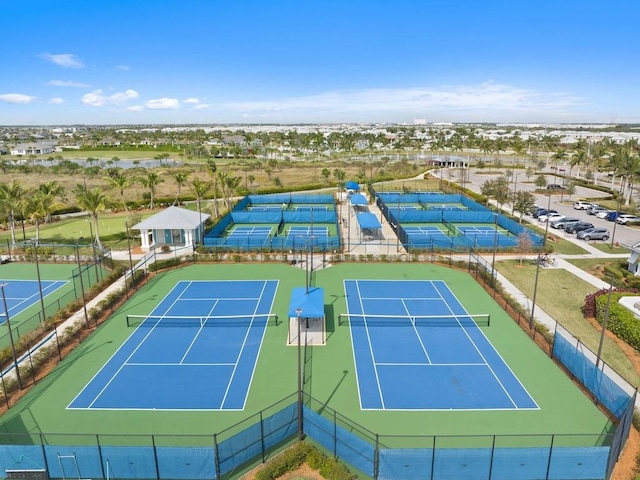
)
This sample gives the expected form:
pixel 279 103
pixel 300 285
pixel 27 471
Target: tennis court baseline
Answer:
pixel 415 347
pixel 197 350
pixel 21 294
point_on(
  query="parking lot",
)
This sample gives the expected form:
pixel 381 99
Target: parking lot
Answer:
pixel 564 205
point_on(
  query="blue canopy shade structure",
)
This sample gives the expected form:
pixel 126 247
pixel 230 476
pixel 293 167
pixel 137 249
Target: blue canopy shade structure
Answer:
pixel 368 221
pixel 311 302
pixel 358 199
pixel 351 185
pixel 309 324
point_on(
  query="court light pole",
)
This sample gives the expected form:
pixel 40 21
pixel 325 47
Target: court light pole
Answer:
pixel 535 284
pixel 495 248
pixel 13 345
pixel 604 323
pixel 133 280
pixel 84 301
pixel 300 429
pixel 35 249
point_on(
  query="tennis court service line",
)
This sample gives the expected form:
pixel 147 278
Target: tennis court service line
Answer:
pixel 244 343
pixel 487 363
pixel 126 362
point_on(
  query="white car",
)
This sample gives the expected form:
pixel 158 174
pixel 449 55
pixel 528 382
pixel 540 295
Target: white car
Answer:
pixel 552 217
pixel 581 205
pixel 603 213
pixel 626 218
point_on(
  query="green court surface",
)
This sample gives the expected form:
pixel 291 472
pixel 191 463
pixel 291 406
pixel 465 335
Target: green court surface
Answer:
pixel 330 377
pixel 31 317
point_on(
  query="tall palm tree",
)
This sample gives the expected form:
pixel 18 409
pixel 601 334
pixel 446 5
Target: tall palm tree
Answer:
pixel 50 196
pixel 93 201
pixel 181 180
pixel 120 182
pixel 200 189
pixel 151 181
pixel 11 196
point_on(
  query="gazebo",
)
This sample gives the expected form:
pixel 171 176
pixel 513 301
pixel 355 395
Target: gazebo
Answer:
pixel 306 316
pixel 173 226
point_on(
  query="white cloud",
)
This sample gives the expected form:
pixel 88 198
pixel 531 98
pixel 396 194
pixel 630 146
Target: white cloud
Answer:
pixel 487 97
pixel 67 83
pixel 56 101
pixel 162 104
pixel 16 98
pixel 123 68
pixel 202 106
pixel 135 108
pixel 97 98
pixel 191 100
pixel 65 60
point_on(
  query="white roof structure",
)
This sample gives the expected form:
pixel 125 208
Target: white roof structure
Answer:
pixel 173 218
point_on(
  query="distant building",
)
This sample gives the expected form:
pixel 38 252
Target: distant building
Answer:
pixel 419 121
pixel 33 149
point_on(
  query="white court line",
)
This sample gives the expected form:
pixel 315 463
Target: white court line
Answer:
pixel 244 342
pixel 195 337
pixel 415 330
pixel 373 357
pixel 506 391
pixel 124 364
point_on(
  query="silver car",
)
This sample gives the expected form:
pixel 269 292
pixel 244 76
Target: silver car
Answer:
pixel 594 234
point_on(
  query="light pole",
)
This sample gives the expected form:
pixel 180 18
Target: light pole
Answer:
pixel 84 302
pixel 535 285
pixel 35 249
pixel 495 247
pixel 298 314
pixel 604 323
pixel 515 191
pixel 133 280
pixel 13 346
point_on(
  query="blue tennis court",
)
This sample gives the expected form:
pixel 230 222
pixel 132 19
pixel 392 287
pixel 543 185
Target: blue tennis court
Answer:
pixel 308 231
pixel 419 231
pixel 415 347
pixel 263 232
pixel 265 208
pixel 197 350
pixel 21 294
pixel 311 208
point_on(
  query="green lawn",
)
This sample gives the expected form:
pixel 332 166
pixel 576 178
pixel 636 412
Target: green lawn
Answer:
pixel 112 227
pixel 561 294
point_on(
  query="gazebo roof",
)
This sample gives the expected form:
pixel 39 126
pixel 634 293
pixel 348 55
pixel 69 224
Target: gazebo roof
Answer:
pixel 173 218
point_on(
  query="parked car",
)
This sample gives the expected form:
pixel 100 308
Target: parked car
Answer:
pixel 554 186
pixel 595 209
pixel 594 234
pixel 603 213
pixel 551 217
pixel 611 216
pixel 577 227
pixel 627 218
pixel 563 222
pixel 543 211
pixel 582 205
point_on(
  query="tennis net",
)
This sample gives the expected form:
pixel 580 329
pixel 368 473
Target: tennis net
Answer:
pixel 451 227
pixel 204 321
pixel 474 231
pixel 477 320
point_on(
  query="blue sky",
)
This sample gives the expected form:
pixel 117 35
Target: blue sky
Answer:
pixel 306 61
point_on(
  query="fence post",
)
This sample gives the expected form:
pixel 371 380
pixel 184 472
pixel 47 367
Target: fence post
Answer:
pixel 262 437
pixel 376 458
pixel 550 454
pixel 155 457
pixel 100 455
pixel 216 455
